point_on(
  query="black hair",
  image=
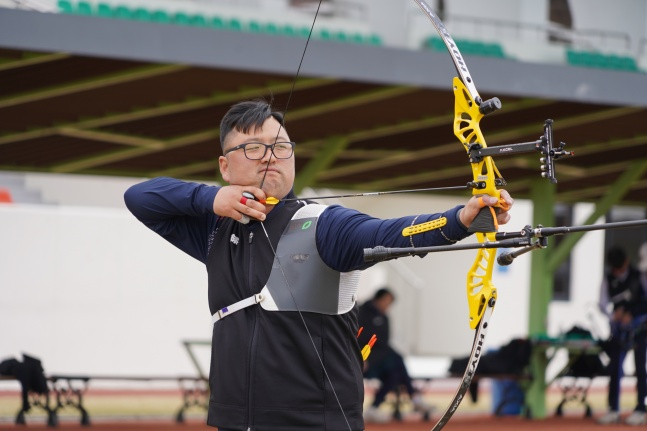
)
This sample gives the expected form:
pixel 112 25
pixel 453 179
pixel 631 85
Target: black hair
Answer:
pixel 382 293
pixel 616 257
pixel 245 116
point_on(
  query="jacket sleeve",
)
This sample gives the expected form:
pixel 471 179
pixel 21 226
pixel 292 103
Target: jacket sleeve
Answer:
pixel 343 234
pixel 181 212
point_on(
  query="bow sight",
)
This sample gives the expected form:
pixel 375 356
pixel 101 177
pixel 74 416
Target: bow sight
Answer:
pixel 543 145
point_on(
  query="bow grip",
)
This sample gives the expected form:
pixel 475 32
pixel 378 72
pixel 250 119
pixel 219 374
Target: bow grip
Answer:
pixel 485 220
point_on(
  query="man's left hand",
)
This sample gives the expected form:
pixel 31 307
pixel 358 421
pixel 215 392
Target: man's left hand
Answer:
pixel 475 204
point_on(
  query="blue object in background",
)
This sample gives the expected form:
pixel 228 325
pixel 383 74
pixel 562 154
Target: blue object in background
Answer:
pixel 507 397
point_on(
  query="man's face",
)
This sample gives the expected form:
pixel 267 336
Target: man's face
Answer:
pixel 237 169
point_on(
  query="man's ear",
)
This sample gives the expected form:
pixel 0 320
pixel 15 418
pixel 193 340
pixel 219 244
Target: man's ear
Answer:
pixel 224 167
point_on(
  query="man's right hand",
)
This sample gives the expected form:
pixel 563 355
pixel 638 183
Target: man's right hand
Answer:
pixel 230 202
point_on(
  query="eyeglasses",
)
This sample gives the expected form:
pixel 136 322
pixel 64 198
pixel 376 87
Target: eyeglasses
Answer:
pixel 256 150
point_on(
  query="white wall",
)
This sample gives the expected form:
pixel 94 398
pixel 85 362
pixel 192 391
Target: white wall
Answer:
pixel 91 290
pixel 80 190
pixel 627 16
pixel 587 266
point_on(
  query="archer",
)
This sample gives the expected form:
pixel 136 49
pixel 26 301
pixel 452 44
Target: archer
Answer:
pixel 281 278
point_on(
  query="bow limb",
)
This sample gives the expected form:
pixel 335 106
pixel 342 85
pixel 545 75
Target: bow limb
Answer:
pixel 470 370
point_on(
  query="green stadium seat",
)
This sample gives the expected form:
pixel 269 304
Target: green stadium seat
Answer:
pixel 303 32
pixel 601 61
pixel 619 62
pixel 479 48
pixel 234 25
pixel 181 18
pixel 325 34
pixel 104 10
pixel 254 27
pixel 218 23
pixel 467 47
pixel 84 8
pixel 587 59
pixel 598 60
pixel 65 6
pixel 271 28
pixel 141 14
pixel 615 62
pixel 374 39
pixel 198 20
pixel 629 64
pixel 340 36
pixel 357 38
pixel 160 16
pixel 122 12
pixel 574 58
pixel 288 30
pixel 435 43
pixel 493 50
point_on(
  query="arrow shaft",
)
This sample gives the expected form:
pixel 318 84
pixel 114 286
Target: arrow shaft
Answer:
pixel 391 192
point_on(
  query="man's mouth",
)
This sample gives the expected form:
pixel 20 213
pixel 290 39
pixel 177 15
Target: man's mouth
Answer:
pixel 270 170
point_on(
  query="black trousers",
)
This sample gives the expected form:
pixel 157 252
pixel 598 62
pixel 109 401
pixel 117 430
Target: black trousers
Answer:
pixel 622 340
pixel 392 373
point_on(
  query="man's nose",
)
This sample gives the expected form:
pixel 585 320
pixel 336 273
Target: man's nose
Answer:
pixel 268 155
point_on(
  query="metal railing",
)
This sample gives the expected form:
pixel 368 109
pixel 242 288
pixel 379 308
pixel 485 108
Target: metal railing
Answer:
pixel 34 5
pixel 550 32
pixel 488 28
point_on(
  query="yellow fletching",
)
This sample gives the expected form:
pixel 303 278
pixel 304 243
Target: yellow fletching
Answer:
pixel 271 201
pixel 366 351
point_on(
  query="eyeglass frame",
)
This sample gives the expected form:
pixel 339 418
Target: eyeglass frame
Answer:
pixel 267 146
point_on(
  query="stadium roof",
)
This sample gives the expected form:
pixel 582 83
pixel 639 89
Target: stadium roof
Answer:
pixel 90 95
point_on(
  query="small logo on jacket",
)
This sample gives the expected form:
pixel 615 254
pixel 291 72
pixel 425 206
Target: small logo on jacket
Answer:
pixel 234 239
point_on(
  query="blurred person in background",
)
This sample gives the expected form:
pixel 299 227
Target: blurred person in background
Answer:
pixel 384 363
pixel 623 298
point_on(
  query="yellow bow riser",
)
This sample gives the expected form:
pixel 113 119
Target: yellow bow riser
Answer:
pixel 480 288
pixel 466 128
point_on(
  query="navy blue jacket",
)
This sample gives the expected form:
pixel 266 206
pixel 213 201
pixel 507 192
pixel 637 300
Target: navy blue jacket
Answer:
pixel 182 213
pixel 264 372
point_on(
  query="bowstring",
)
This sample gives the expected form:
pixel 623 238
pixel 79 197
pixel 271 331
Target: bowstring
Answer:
pixel 296 305
pixel 305 325
pixel 294 83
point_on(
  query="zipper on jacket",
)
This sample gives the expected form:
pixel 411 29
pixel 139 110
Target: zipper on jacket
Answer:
pixel 253 340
